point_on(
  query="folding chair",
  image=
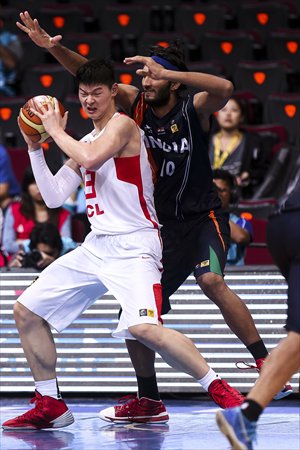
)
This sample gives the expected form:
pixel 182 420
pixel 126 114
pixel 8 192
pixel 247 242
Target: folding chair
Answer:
pixel 124 19
pixel 198 19
pixel 89 45
pixel 227 47
pixel 61 18
pixel 284 45
pixel 260 77
pixel 48 79
pixel 9 111
pixel 127 74
pixel 272 135
pixel 262 16
pixel 284 109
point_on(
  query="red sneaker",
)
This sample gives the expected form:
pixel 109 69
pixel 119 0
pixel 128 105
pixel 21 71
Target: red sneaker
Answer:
pixel 138 410
pixel 285 391
pixel 47 413
pixel 224 395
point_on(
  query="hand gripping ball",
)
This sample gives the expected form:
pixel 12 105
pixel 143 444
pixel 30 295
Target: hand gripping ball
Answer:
pixel 30 123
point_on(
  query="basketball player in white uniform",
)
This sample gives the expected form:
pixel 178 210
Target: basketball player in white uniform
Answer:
pixel 122 253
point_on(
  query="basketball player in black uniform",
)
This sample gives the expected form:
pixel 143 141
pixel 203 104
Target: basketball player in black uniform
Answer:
pixel 195 231
pixel 283 236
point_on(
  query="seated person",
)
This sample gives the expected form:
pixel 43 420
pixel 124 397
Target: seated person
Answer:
pixel 44 246
pixel 11 53
pixel 9 186
pixel 21 216
pixel 241 231
pixel 76 203
pixel 240 153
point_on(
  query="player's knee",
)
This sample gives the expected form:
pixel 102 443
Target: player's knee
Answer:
pixel 23 316
pixel 144 332
pixel 212 284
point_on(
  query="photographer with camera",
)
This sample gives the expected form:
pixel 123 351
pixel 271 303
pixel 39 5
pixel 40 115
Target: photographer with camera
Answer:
pixel 44 247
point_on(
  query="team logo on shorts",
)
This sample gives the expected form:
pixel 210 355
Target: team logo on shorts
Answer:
pixel 146 312
pixel 204 263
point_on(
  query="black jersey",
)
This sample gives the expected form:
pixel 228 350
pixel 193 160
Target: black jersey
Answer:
pixel 178 152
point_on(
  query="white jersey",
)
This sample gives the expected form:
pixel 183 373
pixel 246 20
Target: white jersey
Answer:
pixel 119 195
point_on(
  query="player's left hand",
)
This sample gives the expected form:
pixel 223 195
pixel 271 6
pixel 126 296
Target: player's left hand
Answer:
pixel 151 68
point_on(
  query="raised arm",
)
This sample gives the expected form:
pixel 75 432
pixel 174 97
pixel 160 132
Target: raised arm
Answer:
pixel 214 91
pixel 69 59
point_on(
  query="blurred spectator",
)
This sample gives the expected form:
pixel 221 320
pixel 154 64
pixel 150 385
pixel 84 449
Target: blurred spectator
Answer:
pixel 9 186
pixel 21 217
pixel 237 151
pixel 241 231
pixel 44 246
pixel 76 203
pixel 3 256
pixel 11 53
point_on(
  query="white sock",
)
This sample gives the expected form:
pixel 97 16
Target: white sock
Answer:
pixel 208 379
pixel 48 387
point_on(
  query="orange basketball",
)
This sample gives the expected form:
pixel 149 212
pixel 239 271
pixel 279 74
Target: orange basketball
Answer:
pixel 30 123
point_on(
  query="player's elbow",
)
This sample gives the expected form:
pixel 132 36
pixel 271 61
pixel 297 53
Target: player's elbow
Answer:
pixel 228 89
pixel 53 203
pixel 91 163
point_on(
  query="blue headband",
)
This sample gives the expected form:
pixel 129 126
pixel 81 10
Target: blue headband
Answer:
pixel 163 62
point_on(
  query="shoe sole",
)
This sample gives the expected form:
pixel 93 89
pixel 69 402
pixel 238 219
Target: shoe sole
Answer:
pixel 62 421
pixel 147 420
pixel 228 431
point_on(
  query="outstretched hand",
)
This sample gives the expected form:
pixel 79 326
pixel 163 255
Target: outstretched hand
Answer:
pixel 151 68
pixel 39 36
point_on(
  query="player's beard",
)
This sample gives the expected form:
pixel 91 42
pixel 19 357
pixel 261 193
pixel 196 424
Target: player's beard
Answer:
pixel 162 97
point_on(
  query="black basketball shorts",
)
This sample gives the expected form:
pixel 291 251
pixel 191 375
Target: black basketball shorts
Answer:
pixel 197 245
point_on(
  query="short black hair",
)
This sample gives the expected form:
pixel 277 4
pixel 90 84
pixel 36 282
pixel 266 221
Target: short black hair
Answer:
pixel 222 174
pixel 96 71
pixel 46 233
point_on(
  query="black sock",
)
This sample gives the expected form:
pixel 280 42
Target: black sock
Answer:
pixel 148 387
pixel 258 350
pixel 251 410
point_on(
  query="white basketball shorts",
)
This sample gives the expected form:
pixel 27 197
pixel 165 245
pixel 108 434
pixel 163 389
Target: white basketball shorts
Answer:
pixel 129 266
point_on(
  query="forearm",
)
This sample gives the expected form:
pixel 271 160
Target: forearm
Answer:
pixel 201 81
pixel 55 189
pixel 67 58
pixel 238 234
